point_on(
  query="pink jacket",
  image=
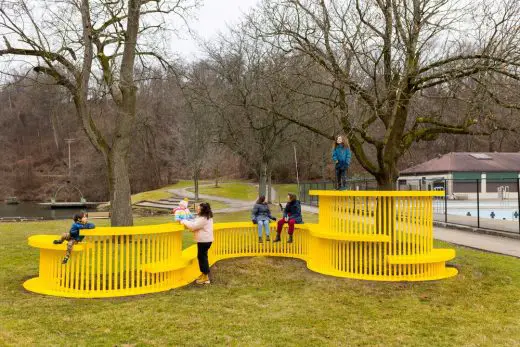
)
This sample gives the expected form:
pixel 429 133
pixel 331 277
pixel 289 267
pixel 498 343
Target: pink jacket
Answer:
pixel 202 227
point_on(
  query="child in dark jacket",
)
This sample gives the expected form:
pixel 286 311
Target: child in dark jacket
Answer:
pixel 341 156
pixel 261 215
pixel 73 236
pixel 292 214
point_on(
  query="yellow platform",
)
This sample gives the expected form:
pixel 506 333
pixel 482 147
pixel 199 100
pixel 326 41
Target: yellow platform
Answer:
pixel 361 235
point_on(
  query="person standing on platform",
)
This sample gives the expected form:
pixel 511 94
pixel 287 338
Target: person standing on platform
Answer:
pixel 341 156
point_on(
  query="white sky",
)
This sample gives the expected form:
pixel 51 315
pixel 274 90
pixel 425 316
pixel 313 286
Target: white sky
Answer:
pixel 214 16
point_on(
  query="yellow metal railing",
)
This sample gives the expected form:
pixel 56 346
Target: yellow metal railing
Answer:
pixel 379 236
pixel 385 236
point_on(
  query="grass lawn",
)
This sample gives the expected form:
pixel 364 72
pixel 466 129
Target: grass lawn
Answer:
pixel 265 302
pixel 215 205
pixel 232 190
pixel 283 189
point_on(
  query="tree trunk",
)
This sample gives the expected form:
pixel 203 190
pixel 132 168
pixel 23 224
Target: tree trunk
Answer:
pixel 119 187
pixel 217 175
pixel 196 183
pixel 387 179
pixel 323 166
pixel 263 179
pixel 269 187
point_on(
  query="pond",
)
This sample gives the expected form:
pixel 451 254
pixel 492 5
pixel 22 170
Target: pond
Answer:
pixel 33 210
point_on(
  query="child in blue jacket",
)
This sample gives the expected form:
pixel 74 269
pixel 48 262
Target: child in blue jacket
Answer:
pixel 73 236
pixel 341 156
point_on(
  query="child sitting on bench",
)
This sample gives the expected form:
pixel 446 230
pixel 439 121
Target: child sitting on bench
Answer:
pixel 73 236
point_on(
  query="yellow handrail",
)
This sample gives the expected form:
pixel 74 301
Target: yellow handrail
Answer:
pixel 359 235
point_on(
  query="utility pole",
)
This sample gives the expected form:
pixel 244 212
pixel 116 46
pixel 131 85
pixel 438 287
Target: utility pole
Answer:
pixel 69 141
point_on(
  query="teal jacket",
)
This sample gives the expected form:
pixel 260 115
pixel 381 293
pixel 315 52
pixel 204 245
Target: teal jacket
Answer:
pixel 342 155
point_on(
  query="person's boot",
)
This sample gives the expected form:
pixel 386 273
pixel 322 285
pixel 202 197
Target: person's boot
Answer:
pixel 260 239
pixel 57 242
pixel 65 260
pixel 290 239
pixel 203 280
pixel 267 239
pixel 277 239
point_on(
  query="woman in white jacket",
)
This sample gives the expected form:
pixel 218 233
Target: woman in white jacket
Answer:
pixel 202 226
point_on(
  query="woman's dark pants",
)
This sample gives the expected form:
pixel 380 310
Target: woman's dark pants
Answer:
pixel 202 256
pixel 341 178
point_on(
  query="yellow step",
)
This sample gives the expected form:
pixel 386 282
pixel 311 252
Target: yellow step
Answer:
pixel 46 242
pixel 436 256
pixel 320 232
pixel 187 256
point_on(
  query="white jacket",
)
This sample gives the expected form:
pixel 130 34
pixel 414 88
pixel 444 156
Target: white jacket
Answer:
pixel 202 227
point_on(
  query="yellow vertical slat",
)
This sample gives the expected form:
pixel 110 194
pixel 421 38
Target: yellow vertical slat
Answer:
pixel 77 259
pixel 115 275
pixel 139 262
pixel 86 273
pixel 127 262
pixel 430 221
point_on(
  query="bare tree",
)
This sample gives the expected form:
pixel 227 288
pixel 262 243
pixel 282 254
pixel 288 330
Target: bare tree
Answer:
pixel 81 43
pixel 378 57
pixel 241 91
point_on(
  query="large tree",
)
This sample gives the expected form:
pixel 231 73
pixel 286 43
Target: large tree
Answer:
pixel 378 57
pixel 91 48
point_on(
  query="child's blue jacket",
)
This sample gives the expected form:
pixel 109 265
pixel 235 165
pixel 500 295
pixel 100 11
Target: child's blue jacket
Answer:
pixel 342 155
pixel 76 227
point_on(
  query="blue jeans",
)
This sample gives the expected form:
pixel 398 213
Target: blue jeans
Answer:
pixel 265 224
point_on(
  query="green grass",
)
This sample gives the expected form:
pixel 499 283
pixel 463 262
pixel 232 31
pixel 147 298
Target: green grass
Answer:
pixel 231 190
pixel 266 302
pixel 283 189
pixel 215 205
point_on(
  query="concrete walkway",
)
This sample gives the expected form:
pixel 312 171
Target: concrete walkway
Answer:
pixel 234 204
pixel 490 243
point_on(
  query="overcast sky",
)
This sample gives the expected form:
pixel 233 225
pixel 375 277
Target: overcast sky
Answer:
pixel 213 17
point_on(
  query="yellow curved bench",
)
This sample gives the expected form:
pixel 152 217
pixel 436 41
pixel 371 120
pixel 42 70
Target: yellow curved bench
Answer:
pixel 361 235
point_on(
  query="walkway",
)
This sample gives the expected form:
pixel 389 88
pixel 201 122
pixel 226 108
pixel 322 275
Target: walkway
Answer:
pixel 234 204
pixel 490 243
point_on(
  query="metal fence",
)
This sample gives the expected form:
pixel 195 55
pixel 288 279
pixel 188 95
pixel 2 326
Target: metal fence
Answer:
pixel 491 204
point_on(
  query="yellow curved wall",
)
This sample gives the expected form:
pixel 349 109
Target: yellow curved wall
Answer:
pixel 360 235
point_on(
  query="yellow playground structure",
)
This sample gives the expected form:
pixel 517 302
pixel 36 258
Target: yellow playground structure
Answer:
pixel 368 235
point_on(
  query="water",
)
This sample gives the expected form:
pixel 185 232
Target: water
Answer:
pixel 33 210
pixel 499 214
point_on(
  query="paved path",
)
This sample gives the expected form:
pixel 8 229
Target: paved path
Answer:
pixel 491 243
pixel 234 204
